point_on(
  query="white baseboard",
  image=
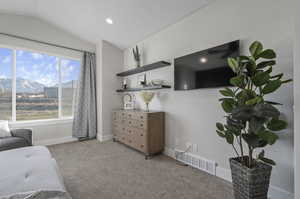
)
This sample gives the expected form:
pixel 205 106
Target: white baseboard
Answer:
pixel 274 192
pixel 103 138
pixel 55 141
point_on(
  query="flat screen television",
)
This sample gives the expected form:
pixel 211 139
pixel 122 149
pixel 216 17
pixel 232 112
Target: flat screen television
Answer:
pixel 205 69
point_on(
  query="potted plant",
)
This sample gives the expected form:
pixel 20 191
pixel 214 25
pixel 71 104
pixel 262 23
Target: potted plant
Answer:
pixel 137 56
pixel 251 120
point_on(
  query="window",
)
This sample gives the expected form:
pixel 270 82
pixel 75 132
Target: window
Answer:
pixel 69 77
pixel 6 57
pixel 42 86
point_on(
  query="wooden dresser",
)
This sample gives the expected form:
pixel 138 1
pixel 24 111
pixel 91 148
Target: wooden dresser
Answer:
pixel 143 131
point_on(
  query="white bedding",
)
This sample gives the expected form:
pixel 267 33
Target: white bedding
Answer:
pixel 29 170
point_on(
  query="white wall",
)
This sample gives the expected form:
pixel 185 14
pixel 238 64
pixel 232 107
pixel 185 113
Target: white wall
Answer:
pixel 297 96
pixel 109 62
pixel 191 115
pixel 31 27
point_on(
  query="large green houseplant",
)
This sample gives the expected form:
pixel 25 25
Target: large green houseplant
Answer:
pixel 251 120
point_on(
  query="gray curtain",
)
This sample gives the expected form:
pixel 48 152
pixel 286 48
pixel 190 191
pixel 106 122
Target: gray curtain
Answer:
pixel 85 109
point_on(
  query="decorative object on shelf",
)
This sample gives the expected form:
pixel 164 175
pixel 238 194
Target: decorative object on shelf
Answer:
pixel 157 82
pixel 128 101
pixel 252 120
pixel 142 81
pixel 145 68
pixel 125 83
pixel 147 97
pixel 137 56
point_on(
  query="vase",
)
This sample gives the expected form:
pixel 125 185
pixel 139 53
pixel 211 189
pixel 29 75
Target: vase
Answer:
pixel 138 63
pixel 250 183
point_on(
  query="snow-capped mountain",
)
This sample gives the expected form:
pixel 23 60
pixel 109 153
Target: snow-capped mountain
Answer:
pixel 22 85
pixel 28 86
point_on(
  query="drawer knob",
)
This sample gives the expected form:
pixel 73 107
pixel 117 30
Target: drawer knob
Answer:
pixel 142 125
pixel 142 117
pixel 129 141
pixel 142 146
pixel 129 122
pixel 142 135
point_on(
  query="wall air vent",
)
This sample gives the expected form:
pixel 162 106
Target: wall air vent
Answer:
pixel 196 162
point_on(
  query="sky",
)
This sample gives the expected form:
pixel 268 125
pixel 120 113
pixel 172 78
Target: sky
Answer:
pixel 37 67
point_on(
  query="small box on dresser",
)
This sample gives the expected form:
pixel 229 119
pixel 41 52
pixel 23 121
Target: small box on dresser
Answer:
pixel 141 130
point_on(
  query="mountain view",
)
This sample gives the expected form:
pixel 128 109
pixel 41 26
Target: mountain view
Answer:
pixel 28 86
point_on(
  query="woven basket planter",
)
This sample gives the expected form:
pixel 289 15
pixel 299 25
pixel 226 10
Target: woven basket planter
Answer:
pixel 250 183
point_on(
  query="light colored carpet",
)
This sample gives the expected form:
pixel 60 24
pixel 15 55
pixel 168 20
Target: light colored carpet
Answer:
pixel 94 170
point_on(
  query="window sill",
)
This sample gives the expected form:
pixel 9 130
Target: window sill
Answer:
pixel 31 123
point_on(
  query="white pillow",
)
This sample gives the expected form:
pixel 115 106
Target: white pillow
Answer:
pixel 4 129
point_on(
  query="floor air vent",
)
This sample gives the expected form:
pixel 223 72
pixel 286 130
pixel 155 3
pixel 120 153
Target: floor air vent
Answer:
pixel 196 162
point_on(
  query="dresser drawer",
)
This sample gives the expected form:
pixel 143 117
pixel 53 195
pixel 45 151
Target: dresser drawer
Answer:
pixel 120 114
pixel 136 116
pixel 117 117
pixel 136 123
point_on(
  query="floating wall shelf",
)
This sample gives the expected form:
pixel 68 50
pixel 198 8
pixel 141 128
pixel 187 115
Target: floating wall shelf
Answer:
pixel 144 88
pixel 144 68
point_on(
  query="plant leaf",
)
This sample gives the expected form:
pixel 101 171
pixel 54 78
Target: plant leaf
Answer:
pixel 268 161
pixel 245 95
pixel 256 124
pixel 271 86
pixel 227 93
pixel 233 64
pixel 221 134
pixel 265 64
pixel 253 101
pixel 268 136
pixel 227 105
pixel 286 81
pixel 261 154
pixel 229 137
pixel 261 78
pixel 243 113
pixel 279 76
pixel 265 111
pixel 220 126
pixel 267 54
pixel 273 103
pixel 277 125
pixel 255 49
pixel 237 81
pixel 254 141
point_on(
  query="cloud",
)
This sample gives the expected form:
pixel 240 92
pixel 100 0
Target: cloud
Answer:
pixel 37 56
pixel 20 52
pixel 6 60
pixel 65 62
pixel 3 77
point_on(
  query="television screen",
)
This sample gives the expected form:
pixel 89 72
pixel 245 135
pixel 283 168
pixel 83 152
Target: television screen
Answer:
pixel 205 69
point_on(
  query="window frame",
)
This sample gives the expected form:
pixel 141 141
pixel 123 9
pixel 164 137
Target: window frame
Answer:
pixel 14 89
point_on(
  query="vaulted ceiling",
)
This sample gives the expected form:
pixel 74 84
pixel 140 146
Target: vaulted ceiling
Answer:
pixel 133 19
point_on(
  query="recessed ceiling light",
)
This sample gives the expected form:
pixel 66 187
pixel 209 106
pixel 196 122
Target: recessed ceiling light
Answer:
pixel 109 21
pixel 203 60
